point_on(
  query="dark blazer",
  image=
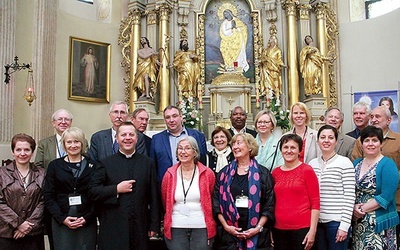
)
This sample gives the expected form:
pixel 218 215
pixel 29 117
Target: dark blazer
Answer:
pixel 46 151
pixel 160 149
pixel 147 143
pixel 250 131
pixel 354 133
pixel 60 183
pixel 101 145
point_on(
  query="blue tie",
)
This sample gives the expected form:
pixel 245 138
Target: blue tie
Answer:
pixel 61 151
pixel 115 146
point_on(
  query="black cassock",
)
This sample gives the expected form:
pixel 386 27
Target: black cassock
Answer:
pixel 126 219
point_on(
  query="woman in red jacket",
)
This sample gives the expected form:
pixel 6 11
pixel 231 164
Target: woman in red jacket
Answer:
pixel 186 190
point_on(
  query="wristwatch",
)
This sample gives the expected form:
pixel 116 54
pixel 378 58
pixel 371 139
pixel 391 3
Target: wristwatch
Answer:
pixel 261 228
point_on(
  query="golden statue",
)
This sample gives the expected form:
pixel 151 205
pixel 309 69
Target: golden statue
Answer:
pixel 146 74
pixel 271 65
pixel 186 63
pixel 311 62
pixel 233 34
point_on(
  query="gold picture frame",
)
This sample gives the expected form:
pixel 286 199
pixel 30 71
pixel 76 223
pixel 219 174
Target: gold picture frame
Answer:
pixel 89 70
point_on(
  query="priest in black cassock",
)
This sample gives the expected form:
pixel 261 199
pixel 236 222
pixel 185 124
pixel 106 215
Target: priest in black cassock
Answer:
pixel 125 188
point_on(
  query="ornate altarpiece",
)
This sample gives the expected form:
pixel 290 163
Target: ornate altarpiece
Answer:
pixel 165 23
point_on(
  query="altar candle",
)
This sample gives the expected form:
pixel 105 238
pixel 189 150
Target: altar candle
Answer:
pixel 235 64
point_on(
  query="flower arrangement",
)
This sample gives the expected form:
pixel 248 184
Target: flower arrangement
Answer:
pixel 190 114
pixel 281 114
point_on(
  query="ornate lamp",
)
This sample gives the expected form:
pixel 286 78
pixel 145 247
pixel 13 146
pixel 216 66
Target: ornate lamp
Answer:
pixel 29 94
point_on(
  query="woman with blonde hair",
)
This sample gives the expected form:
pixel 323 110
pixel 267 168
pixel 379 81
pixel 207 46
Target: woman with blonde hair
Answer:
pixel 268 154
pixel 243 199
pixel 300 117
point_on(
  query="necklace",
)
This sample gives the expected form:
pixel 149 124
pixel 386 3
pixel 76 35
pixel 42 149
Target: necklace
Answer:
pixel 245 169
pixel 304 135
pixel 23 178
pixel 326 161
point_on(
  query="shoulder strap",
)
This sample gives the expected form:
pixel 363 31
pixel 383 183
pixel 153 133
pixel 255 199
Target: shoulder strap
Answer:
pixel 276 151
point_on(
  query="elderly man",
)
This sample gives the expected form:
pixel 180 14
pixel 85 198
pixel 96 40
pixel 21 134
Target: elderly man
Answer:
pixel 125 187
pixel 140 119
pixel 103 143
pixel 238 120
pixel 345 143
pixel 361 114
pixel 163 144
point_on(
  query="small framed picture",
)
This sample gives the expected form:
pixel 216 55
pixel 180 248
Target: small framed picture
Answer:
pixel 89 70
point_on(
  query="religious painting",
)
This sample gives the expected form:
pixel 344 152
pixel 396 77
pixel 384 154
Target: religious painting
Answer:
pixel 228 31
pixel 388 98
pixel 89 70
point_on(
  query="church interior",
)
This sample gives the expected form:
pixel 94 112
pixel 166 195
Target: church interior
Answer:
pixel 360 55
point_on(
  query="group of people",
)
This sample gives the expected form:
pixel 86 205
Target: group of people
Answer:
pixel 255 189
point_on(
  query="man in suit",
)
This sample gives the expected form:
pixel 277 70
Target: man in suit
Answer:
pixel 125 187
pixel 140 119
pixel 51 148
pixel 103 143
pixel 238 120
pixel 345 143
pixel 361 114
pixel 163 144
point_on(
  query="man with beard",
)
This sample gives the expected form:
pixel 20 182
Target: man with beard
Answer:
pixel 186 63
pixel 103 143
pixel 145 81
pixel 125 187
pixel 238 120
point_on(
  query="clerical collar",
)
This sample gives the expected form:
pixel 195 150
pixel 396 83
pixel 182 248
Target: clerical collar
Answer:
pixel 127 156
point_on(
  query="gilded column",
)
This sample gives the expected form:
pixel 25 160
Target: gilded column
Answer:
pixel 321 34
pixel 293 73
pixel 129 39
pixel 164 36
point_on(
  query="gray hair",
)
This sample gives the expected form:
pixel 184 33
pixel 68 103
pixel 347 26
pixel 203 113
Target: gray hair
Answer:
pixel 77 134
pixel 119 103
pixel 193 144
pixel 362 104
pixel 334 108
pixel 265 112
pixel 53 117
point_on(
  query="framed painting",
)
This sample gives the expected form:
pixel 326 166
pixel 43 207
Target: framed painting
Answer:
pixel 89 70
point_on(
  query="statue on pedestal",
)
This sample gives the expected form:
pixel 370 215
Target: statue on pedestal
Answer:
pixel 146 74
pixel 186 64
pixel 271 66
pixel 311 62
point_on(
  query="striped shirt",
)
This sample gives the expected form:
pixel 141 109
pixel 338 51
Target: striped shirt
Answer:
pixel 337 189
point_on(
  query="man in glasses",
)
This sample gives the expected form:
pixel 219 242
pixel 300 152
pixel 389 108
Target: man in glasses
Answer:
pixel 103 142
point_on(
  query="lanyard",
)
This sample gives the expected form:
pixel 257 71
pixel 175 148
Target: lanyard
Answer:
pixel 77 172
pixel 183 185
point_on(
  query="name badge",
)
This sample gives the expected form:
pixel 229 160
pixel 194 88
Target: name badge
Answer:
pixel 184 210
pixel 75 200
pixel 242 201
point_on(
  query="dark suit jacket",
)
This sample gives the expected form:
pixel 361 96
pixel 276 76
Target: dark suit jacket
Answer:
pixel 160 149
pixel 147 143
pixel 46 151
pixel 101 145
pixel 354 133
pixel 250 131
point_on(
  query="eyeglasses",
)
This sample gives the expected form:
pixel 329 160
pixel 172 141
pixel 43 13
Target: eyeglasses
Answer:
pixel 116 112
pixel 61 119
pixel 263 122
pixel 184 149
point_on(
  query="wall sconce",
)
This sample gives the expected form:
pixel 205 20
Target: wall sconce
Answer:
pixel 29 94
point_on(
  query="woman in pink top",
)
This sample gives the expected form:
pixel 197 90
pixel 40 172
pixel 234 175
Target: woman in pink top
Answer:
pixel 296 199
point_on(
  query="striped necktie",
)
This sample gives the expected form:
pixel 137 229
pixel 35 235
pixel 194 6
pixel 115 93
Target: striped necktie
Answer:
pixel 115 146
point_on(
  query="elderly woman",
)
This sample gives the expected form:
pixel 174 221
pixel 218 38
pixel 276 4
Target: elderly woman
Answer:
pixel 221 155
pixel 300 117
pixel 66 195
pixel 187 198
pixel 337 184
pixel 268 154
pixel 376 184
pixel 21 201
pixel 297 199
pixel 243 199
